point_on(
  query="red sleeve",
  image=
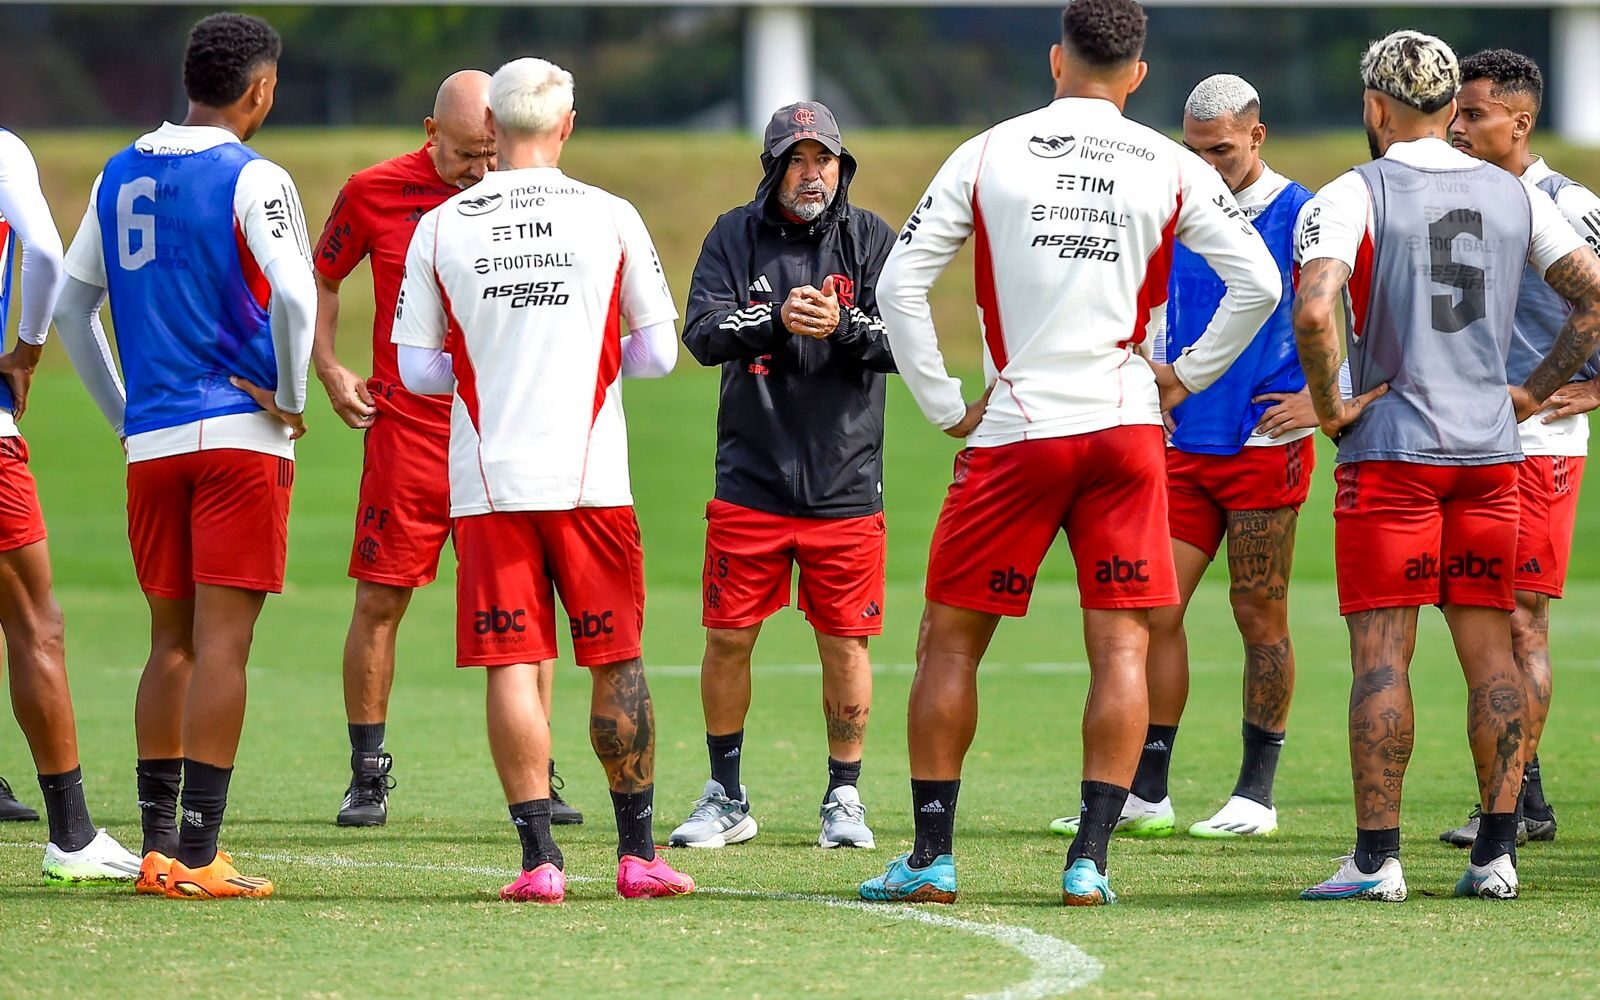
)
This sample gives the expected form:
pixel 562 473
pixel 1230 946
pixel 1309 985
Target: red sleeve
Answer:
pixel 346 237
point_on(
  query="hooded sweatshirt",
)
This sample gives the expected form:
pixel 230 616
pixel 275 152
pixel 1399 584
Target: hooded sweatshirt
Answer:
pixel 800 420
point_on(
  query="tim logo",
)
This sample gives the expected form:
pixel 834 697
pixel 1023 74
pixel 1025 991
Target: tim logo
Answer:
pixel 846 289
pixel 498 621
pixel 1119 570
pixel 481 205
pixel 1052 146
pixel 805 117
pixel 591 626
pixel 759 366
pixel 1008 581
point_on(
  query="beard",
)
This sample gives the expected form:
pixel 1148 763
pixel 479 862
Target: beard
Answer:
pixel 1372 143
pixel 807 211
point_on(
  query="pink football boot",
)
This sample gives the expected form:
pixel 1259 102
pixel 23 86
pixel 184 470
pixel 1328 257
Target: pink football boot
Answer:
pixel 641 879
pixel 545 884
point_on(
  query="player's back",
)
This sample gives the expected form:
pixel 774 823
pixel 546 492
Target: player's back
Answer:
pixel 1074 210
pixel 189 304
pixel 1432 309
pixel 530 267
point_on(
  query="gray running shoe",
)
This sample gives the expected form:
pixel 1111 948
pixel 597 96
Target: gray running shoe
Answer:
pixel 1540 829
pixel 1466 833
pixel 844 820
pixel 716 821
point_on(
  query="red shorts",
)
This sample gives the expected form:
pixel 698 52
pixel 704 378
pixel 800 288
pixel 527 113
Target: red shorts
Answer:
pixel 1407 534
pixel 509 561
pixel 1547 493
pixel 21 520
pixel 1107 489
pixel 403 513
pixel 1202 489
pixel 216 517
pixel 750 560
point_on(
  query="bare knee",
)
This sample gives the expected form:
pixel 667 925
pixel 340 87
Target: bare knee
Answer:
pixel 380 606
pixel 1166 624
pixel 1262 621
pixel 730 646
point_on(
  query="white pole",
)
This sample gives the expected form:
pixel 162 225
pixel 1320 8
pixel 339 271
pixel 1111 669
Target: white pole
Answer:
pixel 1576 32
pixel 777 61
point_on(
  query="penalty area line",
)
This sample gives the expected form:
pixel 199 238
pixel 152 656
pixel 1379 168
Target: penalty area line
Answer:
pixel 1058 966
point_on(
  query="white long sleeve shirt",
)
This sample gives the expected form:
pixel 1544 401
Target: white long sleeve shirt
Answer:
pixel 1074 210
pixel 24 212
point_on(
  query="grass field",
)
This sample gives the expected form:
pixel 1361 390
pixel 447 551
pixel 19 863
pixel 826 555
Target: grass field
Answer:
pixel 410 909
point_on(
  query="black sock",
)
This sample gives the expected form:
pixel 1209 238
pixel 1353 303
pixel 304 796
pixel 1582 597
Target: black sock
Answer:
pixel 532 820
pixel 158 779
pixel 71 829
pixel 725 754
pixel 842 773
pixel 1373 846
pixel 1150 781
pixel 205 797
pixel 1497 835
pixel 634 811
pixel 933 810
pixel 1100 808
pixel 366 737
pixel 1533 803
pixel 1260 765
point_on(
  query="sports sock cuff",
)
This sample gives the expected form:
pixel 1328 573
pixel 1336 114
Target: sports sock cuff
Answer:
pixel 161 767
pixel 1255 734
pixel 366 737
pixel 731 741
pixel 61 782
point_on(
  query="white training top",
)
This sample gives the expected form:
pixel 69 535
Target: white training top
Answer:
pixel 1570 435
pixel 282 252
pixel 24 210
pixel 1074 210
pixel 525 280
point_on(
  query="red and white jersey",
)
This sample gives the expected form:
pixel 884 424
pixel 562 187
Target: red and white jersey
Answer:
pixel 525 280
pixel 1074 210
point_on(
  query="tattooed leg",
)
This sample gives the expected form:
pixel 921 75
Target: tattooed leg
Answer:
pixel 1260 553
pixel 1382 726
pixel 846 693
pixel 1167 669
pixel 1497 702
pixel 622 725
pixel 1530 647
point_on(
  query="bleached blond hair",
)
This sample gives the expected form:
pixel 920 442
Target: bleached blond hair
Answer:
pixel 1221 95
pixel 530 96
pixel 1413 68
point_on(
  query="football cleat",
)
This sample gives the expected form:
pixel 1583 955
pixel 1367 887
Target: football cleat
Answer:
pixel 641 879
pixel 366 801
pixel 11 810
pixel 1239 817
pixel 1466 833
pixel 901 883
pixel 218 880
pixel 1083 885
pixel 562 812
pixel 1539 829
pixel 100 860
pixel 844 820
pixel 716 820
pixel 1495 880
pixel 1145 820
pixel 545 884
pixel 153 872
pixel 1386 885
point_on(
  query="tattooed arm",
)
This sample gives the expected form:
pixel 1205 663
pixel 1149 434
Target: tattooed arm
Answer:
pixel 1316 338
pixel 1576 278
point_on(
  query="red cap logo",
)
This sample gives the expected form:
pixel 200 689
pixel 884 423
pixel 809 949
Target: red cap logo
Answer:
pixel 805 116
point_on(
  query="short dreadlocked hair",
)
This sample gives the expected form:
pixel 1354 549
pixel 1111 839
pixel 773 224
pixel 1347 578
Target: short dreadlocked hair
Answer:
pixel 1415 69
pixel 224 50
pixel 1104 33
pixel 1510 72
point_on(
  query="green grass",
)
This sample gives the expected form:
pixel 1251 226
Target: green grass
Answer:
pixel 409 910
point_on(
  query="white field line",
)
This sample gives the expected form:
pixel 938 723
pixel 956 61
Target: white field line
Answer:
pixel 1059 967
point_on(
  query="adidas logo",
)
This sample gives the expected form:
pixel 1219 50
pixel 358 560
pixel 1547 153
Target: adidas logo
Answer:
pixel 1156 745
pixel 731 754
pixel 933 807
pixel 1531 566
pixel 193 818
pixel 648 812
pixel 761 284
pixel 873 611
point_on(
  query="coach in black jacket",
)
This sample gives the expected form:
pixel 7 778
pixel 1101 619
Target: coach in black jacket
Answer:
pixel 783 299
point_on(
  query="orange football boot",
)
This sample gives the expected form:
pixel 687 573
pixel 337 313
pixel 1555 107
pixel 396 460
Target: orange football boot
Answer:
pixel 218 880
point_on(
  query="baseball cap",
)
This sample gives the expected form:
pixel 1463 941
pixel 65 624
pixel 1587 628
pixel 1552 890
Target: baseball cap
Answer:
pixel 802 120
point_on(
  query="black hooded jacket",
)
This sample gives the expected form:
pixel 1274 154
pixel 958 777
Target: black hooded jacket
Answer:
pixel 800 420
